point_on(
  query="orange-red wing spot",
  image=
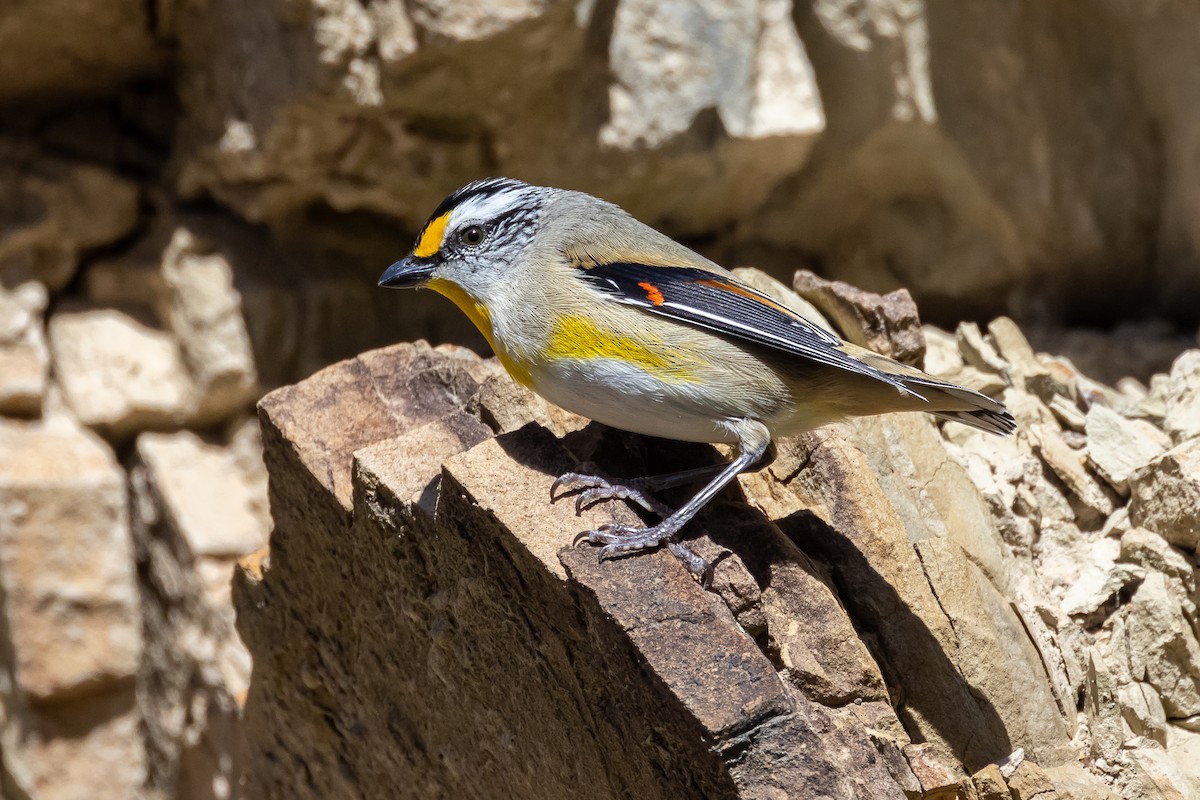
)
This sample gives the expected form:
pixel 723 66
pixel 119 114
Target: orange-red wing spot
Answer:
pixel 652 293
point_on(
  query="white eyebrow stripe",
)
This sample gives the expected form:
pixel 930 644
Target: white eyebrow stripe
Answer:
pixel 486 207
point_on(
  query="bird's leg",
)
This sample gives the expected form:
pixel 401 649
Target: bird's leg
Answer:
pixel 618 539
pixel 594 488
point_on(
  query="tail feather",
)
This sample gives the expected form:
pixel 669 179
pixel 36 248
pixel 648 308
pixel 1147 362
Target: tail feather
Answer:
pixel 944 400
pixel 960 404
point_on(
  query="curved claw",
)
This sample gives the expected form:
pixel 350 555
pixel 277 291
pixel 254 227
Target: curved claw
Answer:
pixel 583 479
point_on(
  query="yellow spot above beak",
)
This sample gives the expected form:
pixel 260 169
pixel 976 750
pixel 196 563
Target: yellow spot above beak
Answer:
pixel 431 238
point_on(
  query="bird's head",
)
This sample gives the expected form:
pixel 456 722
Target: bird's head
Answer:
pixel 472 238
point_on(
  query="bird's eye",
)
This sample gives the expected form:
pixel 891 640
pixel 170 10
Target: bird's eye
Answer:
pixel 472 235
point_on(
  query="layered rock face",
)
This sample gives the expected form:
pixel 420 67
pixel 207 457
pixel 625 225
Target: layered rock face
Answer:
pixel 897 609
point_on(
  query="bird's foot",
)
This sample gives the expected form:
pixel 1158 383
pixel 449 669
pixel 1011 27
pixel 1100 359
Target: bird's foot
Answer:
pixel 619 540
pixel 595 488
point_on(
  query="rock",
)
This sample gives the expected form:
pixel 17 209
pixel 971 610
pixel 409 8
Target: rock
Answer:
pixel 1165 495
pixel 196 506
pixel 79 48
pixel 743 60
pixel 887 324
pixel 668 96
pixel 217 504
pixel 1029 781
pixel 1073 782
pixel 936 768
pixel 1015 350
pixel 343 407
pixel 65 746
pixel 942 357
pixel 53 210
pixel 643 642
pixel 979 352
pixel 990 784
pixel 1140 546
pixel 1143 712
pixel 117 374
pixel 66 562
pixel 1182 418
pixel 1094 500
pixel 1163 647
pixel 24 360
pixel 1117 446
pixel 204 311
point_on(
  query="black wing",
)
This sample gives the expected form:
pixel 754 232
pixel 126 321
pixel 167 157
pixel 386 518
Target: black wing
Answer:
pixel 713 301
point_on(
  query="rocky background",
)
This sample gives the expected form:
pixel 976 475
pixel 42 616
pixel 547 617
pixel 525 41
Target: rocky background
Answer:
pixel 196 197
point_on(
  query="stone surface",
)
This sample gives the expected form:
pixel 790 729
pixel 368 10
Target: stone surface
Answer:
pixel 78 47
pixel 1118 447
pixel 197 506
pixel 1030 781
pixel 211 495
pixel 117 374
pixel 66 561
pixel 24 359
pixel 204 311
pixel 887 324
pixel 52 210
pixel 1165 494
pixel 65 748
pixel 1182 418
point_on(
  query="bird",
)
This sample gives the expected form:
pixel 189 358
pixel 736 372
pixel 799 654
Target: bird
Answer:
pixel 608 318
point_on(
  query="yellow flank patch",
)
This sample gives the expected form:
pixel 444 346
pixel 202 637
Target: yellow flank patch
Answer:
pixel 431 238
pixel 576 336
pixel 478 314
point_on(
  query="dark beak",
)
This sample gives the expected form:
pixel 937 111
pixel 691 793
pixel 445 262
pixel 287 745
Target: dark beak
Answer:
pixel 406 273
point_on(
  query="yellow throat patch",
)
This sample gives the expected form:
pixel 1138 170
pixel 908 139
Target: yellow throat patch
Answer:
pixel 478 314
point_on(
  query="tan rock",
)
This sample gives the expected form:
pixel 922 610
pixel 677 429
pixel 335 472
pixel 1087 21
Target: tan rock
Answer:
pixel 509 577
pixel 24 360
pixel 117 374
pixel 1140 546
pixel 1103 709
pixel 1166 493
pixel 67 561
pixel 1117 446
pixel 942 357
pixel 726 61
pixel 194 665
pixel 1182 419
pixel 990 784
pixel 978 352
pixel 887 324
pixel 1163 647
pixel 218 506
pixel 1016 351
pixel 90 747
pixel 356 403
pixel 1073 782
pixel 506 406
pixel 53 210
pixel 1095 500
pixel 1029 781
pixel 204 311
pixel 80 48
pixel 936 769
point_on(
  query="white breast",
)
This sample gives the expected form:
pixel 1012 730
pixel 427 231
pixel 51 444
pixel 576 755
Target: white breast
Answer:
pixel 625 396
